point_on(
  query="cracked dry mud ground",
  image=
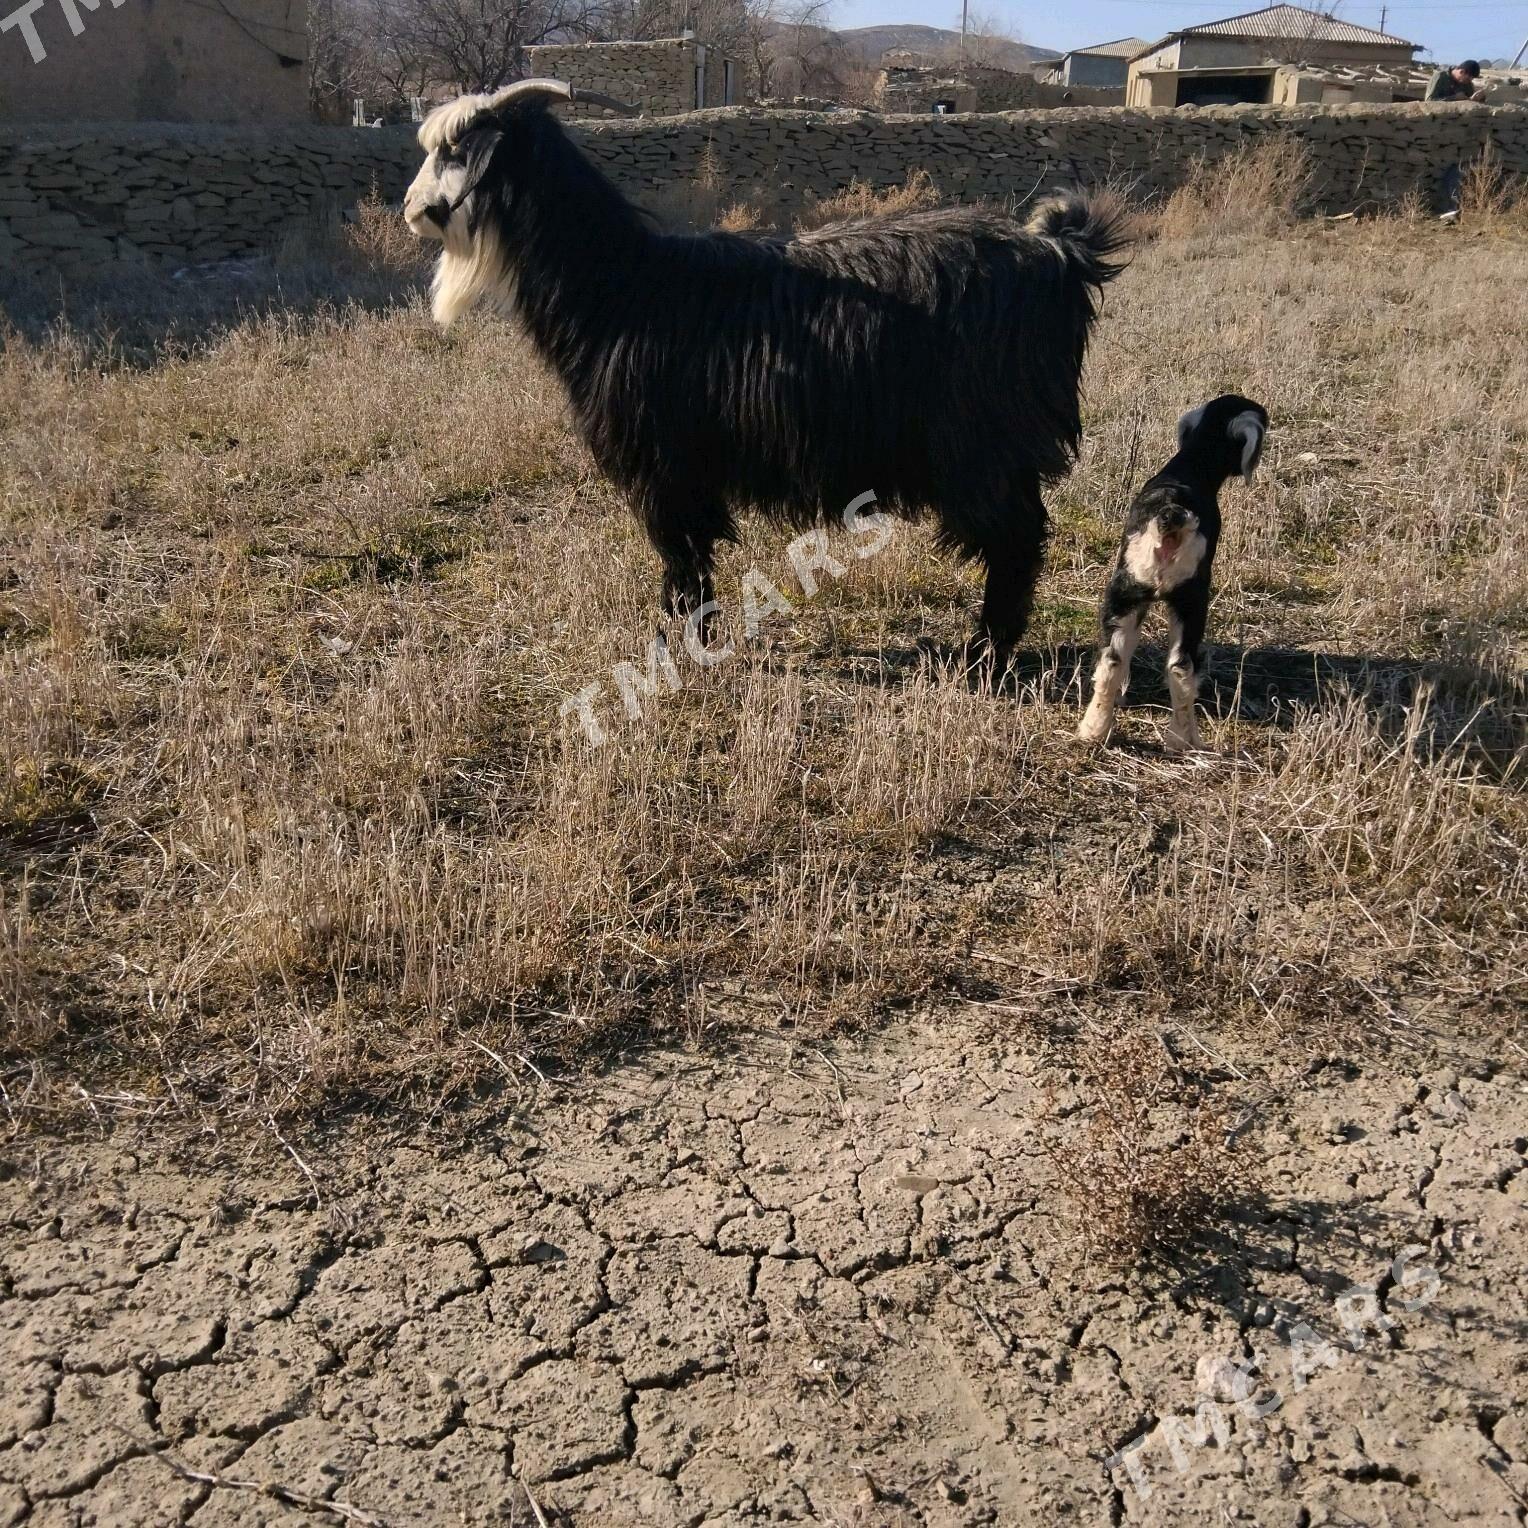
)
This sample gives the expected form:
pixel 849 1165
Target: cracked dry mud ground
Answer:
pixel 782 1287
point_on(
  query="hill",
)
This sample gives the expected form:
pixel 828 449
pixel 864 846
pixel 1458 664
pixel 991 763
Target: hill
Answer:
pixel 871 43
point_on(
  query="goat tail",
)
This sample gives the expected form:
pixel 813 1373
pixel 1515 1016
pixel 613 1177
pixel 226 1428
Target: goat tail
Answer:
pixel 1088 228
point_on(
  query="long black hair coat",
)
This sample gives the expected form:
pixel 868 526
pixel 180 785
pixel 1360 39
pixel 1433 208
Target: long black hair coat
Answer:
pixel 933 358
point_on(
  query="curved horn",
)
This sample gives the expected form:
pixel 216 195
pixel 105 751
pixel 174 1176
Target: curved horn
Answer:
pixel 594 98
pixel 447 123
pixel 522 90
pixel 562 91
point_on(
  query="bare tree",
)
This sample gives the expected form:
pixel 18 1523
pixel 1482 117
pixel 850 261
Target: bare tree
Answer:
pixel 389 50
pixel 989 35
pixel 480 44
pixel 398 64
pixel 758 46
pixel 719 23
pixel 799 51
pixel 338 63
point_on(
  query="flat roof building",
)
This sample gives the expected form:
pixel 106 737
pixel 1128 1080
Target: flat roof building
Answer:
pixel 1232 61
pixel 1104 66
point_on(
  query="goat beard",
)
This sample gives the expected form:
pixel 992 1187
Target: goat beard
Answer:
pixel 471 266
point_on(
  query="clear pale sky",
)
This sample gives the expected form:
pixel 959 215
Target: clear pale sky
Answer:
pixel 1469 29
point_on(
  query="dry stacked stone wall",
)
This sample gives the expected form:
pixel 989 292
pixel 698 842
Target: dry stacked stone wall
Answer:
pixel 658 76
pixel 76 200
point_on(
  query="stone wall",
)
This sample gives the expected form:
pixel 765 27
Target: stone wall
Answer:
pixel 77 199
pixel 72 200
pixel 662 78
pixel 1006 89
pixel 915 90
pixel 972 88
pixel 1361 156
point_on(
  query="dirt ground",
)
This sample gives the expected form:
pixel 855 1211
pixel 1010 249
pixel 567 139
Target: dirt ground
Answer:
pixel 414 1112
pixel 790 1285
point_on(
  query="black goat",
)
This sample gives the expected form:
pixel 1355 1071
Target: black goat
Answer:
pixel 1166 553
pixel 933 358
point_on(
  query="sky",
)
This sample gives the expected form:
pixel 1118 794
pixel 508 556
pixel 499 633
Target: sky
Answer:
pixel 1447 32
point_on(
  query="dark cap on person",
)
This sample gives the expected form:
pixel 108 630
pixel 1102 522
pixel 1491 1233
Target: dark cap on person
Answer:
pixel 1471 67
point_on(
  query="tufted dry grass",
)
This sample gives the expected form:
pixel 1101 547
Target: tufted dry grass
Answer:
pixel 291 596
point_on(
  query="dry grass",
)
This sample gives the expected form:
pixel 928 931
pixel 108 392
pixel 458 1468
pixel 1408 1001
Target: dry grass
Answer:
pixel 377 239
pixel 288 814
pixel 859 199
pixel 1489 196
pixel 1155 1156
pixel 1259 189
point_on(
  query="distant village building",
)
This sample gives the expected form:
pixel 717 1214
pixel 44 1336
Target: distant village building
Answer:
pixel 661 78
pixel 1238 59
pixel 170 61
pixel 1350 84
pixel 949 88
pixel 1104 66
pixel 908 83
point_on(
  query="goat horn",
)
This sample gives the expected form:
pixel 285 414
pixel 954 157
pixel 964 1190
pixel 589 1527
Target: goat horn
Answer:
pixel 559 90
pixel 594 98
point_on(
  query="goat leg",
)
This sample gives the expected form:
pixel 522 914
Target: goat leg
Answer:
pixel 1013 547
pixel 688 591
pixel 1123 611
pixel 1189 607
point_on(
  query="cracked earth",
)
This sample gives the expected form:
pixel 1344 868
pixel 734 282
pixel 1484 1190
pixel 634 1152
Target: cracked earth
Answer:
pixel 793 1287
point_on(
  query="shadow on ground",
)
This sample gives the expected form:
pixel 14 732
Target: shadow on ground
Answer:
pixel 1486 711
pixel 138 317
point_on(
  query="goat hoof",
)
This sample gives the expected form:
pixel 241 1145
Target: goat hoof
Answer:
pixel 982 658
pixel 1178 743
pixel 1093 732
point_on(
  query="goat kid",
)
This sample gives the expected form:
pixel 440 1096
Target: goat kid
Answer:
pixel 1166 553
pixel 933 359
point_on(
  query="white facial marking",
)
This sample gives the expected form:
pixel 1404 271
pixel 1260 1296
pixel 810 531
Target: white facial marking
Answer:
pixel 436 183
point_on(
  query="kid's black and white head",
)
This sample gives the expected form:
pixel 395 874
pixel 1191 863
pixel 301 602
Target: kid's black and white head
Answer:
pixel 1225 435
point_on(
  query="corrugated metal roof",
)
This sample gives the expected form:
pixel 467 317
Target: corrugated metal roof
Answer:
pixel 1121 47
pixel 1292 23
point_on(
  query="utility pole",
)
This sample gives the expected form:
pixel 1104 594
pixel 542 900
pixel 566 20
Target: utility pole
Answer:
pixel 965 8
pixel 1522 50
pixel 1384 11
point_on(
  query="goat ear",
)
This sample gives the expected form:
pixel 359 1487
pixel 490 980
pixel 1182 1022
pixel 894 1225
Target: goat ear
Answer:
pixel 1247 429
pixel 1188 424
